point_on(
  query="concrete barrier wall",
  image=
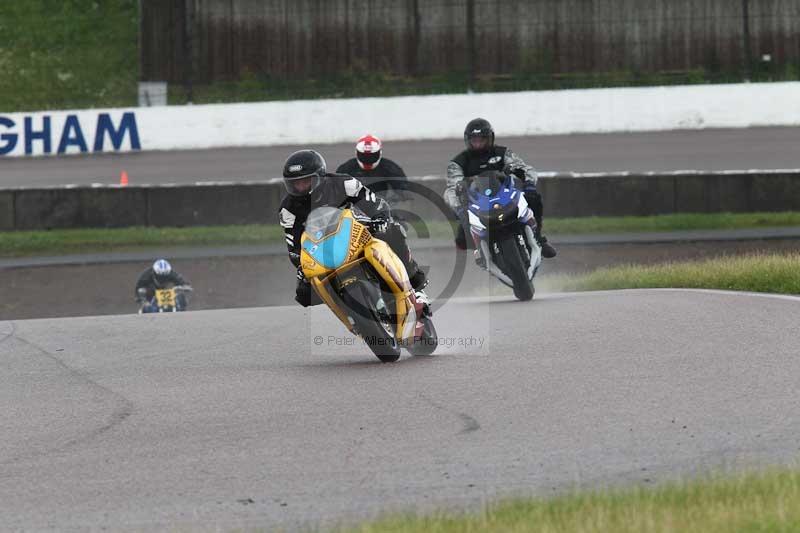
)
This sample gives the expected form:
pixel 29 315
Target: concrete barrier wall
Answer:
pixel 6 210
pixel 81 207
pixel 573 195
pixel 313 122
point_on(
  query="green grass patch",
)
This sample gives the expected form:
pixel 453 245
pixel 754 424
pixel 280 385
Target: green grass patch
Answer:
pixel 763 502
pixel 65 54
pixel 757 273
pixel 677 222
pixel 647 224
pixel 56 242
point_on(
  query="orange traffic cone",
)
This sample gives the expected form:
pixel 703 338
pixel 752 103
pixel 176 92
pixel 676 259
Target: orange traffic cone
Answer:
pixel 123 178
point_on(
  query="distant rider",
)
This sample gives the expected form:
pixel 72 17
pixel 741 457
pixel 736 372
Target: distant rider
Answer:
pixel 480 155
pixel 372 169
pixel 310 186
pixel 157 277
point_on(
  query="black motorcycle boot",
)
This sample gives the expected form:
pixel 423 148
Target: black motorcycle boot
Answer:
pixel 548 251
pixel 479 259
pixel 461 238
pixel 418 282
pixel 535 202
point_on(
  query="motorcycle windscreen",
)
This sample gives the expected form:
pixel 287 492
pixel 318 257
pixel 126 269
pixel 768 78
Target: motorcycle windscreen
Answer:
pixel 491 196
pixel 328 236
pixel 488 186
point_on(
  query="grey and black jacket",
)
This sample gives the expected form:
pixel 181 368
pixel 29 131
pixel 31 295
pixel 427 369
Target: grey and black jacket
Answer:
pixel 469 163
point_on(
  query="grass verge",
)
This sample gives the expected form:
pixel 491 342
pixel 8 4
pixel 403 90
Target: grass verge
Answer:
pixel 68 54
pixel 760 502
pixel 57 242
pixel 677 222
pixel 756 273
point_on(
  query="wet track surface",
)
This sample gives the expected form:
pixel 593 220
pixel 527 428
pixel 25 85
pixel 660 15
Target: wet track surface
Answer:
pixel 274 417
pixel 88 285
pixel 245 418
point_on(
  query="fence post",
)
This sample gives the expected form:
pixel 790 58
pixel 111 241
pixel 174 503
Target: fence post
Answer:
pixel 140 41
pixel 747 63
pixel 471 43
pixel 188 49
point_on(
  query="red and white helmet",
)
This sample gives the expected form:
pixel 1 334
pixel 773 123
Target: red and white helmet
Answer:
pixel 368 152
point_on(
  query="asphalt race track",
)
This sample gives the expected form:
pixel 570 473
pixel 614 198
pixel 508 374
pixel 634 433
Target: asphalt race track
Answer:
pixel 734 149
pixel 240 418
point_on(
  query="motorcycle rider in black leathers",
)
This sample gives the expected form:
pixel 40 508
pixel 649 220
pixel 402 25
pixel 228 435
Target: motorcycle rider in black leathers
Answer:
pixel 160 275
pixel 311 186
pixel 372 169
pixel 482 155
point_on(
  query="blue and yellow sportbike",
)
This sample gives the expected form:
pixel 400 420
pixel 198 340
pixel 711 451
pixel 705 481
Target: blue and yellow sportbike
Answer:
pixel 503 228
pixel 365 284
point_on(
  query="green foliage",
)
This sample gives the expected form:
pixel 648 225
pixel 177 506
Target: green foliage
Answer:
pixel 754 273
pixel 677 222
pixel 55 242
pixel 21 243
pixel 60 54
pixel 765 502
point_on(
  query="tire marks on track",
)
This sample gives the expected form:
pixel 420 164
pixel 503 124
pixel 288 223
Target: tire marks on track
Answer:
pixel 469 422
pixel 122 411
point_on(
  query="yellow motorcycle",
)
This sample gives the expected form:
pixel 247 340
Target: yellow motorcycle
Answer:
pixel 167 300
pixel 365 284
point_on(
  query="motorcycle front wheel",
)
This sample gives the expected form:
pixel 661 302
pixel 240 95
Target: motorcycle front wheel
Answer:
pixel 515 269
pixel 361 299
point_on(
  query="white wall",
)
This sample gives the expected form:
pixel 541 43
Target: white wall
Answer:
pixel 415 117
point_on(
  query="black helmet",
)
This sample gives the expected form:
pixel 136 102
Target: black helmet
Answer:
pixel 303 172
pixel 479 128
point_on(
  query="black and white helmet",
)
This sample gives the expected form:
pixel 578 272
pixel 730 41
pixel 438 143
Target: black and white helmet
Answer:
pixel 162 269
pixel 303 172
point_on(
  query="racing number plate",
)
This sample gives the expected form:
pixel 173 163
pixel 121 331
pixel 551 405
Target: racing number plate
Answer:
pixel 165 297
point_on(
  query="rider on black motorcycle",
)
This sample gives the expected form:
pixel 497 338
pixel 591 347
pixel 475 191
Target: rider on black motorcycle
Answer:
pixel 383 176
pixel 482 155
pixel 310 186
pixel 159 276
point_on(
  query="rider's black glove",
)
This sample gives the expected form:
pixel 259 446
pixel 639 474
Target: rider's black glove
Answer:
pixel 461 189
pixel 379 224
pixel 530 187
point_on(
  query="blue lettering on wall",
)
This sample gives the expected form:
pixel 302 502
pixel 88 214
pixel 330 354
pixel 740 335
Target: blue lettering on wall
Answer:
pixel 43 135
pixel 72 135
pixel 126 125
pixel 8 141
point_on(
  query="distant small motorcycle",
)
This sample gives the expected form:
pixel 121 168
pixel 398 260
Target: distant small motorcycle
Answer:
pixel 169 300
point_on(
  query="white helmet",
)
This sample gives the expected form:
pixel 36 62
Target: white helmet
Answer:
pixel 162 268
